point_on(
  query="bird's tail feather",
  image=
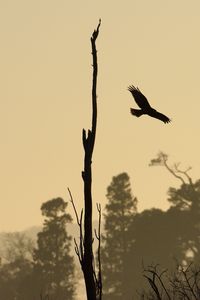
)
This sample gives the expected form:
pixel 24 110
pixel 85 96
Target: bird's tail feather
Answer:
pixel 136 112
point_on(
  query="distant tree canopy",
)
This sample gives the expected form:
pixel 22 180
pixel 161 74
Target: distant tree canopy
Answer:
pixel 187 196
pixel 29 273
pixel 16 246
pixel 185 208
pixel 53 265
pixel 148 238
pixel 120 209
pixel 131 242
pixel 16 265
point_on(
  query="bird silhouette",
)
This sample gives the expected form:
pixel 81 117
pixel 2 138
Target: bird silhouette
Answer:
pixel 146 108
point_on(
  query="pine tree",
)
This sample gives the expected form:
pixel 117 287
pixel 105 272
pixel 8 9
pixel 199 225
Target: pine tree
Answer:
pixel 120 209
pixel 53 264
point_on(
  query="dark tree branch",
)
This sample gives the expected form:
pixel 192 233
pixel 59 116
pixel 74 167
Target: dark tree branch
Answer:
pixel 176 166
pixel 184 284
pixel 162 159
pixel 98 237
pixel 78 253
pixel 155 276
pixel 78 249
pixel 187 280
pixel 75 210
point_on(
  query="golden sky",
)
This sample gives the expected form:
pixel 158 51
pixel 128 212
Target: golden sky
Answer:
pixel 45 93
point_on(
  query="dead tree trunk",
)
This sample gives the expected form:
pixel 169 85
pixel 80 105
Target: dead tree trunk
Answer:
pixel 88 144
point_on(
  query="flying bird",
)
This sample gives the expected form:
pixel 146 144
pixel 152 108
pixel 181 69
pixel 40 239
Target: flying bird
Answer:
pixel 146 108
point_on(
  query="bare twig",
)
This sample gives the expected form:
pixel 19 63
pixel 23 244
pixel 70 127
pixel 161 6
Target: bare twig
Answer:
pixel 162 159
pixel 176 166
pixel 78 249
pixel 98 237
pixel 184 272
pixel 75 210
pixel 155 275
pixel 184 284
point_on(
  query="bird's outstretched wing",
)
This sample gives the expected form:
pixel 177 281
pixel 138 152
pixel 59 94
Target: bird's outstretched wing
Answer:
pixel 140 99
pixel 159 116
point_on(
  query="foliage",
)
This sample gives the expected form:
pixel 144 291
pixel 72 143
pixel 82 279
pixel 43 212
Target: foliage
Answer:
pixel 185 202
pixel 120 210
pixel 53 265
pixel 27 273
pixel 17 246
pixel 159 238
pixel 186 197
pixel 150 237
pixel 16 266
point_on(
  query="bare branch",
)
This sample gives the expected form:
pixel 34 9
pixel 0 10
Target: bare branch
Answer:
pixel 79 250
pixel 176 166
pixel 184 284
pixel 98 236
pixel 96 32
pixel 76 248
pixel 81 236
pixel 184 272
pixel 154 287
pixel 75 210
pixel 152 281
pixel 162 159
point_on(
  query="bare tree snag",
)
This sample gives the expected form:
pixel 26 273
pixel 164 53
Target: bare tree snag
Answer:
pixel 88 144
pixel 84 248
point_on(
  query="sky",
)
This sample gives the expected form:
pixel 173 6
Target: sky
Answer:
pixel 45 94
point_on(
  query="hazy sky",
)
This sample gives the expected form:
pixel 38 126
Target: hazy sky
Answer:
pixel 45 93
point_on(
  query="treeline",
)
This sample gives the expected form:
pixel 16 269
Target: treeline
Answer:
pixel 139 246
pixel 46 271
pixel 135 248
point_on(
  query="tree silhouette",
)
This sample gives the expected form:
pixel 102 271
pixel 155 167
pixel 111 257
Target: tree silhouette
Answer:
pixel 185 202
pixel 13 279
pixel 53 265
pixel 120 209
pixel 85 248
pixel 16 266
